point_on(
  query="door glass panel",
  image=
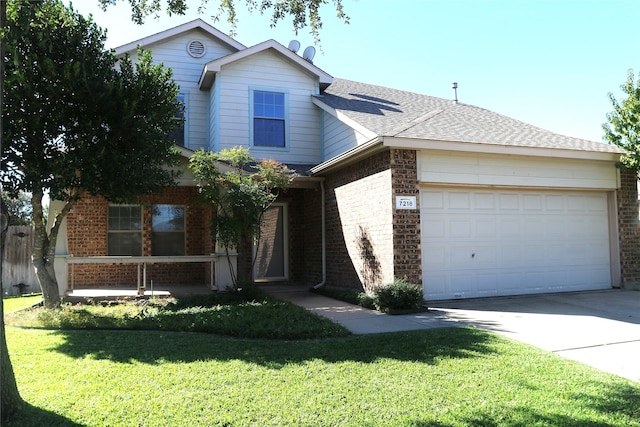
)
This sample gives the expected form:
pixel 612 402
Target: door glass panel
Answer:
pixel 270 251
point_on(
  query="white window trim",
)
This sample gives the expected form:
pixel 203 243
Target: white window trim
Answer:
pixel 185 94
pixel 109 231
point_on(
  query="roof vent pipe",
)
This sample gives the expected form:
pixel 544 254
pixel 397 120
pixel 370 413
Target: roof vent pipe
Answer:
pixel 454 86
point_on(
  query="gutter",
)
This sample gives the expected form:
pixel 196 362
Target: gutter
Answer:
pixel 324 239
pixel 351 155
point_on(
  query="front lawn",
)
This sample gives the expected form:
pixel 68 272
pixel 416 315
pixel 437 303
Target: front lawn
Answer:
pixel 13 304
pixel 445 377
pixel 250 313
pixel 101 365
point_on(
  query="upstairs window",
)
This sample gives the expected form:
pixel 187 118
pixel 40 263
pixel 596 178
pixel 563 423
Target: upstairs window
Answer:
pixel 124 235
pixel 179 135
pixel 269 119
pixel 167 234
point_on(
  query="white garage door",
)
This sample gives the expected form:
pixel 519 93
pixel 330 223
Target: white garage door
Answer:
pixel 488 243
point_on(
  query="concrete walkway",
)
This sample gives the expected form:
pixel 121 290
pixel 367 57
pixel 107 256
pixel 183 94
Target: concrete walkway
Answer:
pixel 601 328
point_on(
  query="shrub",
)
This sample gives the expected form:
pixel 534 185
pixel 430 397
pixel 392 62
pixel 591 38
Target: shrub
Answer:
pixel 366 300
pixel 399 295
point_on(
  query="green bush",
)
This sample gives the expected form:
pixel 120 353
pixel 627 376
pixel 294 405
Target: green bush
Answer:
pixel 366 300
pixel 399 295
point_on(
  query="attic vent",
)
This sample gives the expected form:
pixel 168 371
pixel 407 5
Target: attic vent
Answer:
pixel 196 48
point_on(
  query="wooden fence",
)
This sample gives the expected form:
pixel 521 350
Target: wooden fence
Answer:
pixel 18 275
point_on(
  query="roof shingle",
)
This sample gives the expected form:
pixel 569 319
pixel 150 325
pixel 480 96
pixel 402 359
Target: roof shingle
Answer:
pixel 396 113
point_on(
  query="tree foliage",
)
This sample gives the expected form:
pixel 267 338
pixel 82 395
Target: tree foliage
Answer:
pixel 623 123
pixel 77 120
pixel 302 12
pixel 20 211
pixel 241 194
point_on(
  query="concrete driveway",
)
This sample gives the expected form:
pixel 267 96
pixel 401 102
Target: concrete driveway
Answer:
pixel 601 329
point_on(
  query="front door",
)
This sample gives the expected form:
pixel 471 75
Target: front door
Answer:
pixel 271 251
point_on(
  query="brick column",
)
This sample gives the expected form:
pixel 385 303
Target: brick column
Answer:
pixel 407 250
pixel 629 229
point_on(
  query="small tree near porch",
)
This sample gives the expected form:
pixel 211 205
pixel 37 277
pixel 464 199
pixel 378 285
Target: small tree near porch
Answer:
pixel 241 195
pixel 77 121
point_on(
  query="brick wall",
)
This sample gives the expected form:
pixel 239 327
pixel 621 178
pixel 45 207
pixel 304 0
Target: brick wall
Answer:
pixel 629 228
pixel 407 249
pixel 87 236
pixel 359 224
pixel 311 266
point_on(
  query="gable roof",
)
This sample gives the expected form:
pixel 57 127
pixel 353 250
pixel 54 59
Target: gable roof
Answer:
pixel 171 32
pixel 397 114
pixel 213 67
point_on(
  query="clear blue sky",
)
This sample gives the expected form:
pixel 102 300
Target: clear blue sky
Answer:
pixel 550 63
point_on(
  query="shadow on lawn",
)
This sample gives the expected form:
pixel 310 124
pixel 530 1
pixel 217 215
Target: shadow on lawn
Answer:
pixel 620 401
pixel 153 347
pixel 31 416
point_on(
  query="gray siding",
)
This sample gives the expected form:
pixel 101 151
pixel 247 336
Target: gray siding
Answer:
pixel 186 72
pixel 268 70
pixel 338 137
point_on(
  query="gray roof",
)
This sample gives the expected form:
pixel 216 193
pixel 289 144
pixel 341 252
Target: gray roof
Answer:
pixel 396 113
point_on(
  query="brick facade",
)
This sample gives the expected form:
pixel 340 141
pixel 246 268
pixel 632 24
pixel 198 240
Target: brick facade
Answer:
pixel 87 236
pixel 369 242
pixel 629 229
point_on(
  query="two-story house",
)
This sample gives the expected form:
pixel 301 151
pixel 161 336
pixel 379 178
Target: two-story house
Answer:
pixel 462 200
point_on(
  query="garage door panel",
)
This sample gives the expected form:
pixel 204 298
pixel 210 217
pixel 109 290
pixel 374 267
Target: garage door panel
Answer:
pixel 487 283
pixel 485 227
pixel 483 243
pixel 433 228
pixel 459 201
pixel 460 228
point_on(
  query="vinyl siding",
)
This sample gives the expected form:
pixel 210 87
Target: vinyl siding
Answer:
pixel 266 70
pixel 338 137
pixel 186 72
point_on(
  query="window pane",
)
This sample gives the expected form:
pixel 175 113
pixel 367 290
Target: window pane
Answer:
pixel 124 235
pixel 268 133
pixel 167 243
pixel 167 238
pixel 268 104
pixel 178 134
pixel 125 218
pixel 167 218
pixel 125 244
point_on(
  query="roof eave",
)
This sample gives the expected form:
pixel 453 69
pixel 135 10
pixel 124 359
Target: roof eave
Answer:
pixel 171 32
pixel 368 133
pixel 366 149
pixel 212 68
pixel 429 144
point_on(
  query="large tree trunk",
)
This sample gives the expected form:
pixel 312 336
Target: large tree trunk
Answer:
pixel 44 250
pixel 10 400
pixel 40 257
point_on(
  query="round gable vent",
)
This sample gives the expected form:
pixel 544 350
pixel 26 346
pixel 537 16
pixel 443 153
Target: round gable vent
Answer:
pixel 196 48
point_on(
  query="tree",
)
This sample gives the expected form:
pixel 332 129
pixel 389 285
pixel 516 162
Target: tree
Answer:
pixel 10 399
pixel 623 127
pixel 77 121
pixel 241 196
pixel 19 208
pixel 302 12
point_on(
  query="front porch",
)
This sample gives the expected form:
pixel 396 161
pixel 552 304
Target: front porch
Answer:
pixel 128 292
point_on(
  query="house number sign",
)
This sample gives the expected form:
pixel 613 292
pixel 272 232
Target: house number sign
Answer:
pixel 406 202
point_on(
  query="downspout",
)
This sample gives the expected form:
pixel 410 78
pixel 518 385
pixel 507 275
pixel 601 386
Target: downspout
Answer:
pixel 324 230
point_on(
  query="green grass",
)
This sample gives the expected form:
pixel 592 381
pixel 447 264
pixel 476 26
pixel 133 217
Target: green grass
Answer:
pixel 444 377
pixel 13 304
pixel 248 314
